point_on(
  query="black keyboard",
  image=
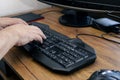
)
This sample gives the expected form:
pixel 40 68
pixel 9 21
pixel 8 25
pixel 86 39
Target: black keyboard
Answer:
pixel 59 52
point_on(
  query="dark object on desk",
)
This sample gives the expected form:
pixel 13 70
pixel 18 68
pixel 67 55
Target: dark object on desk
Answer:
pixel 29 17
pixel 82 10
pixel 107 25
pixel 74 18
pixel 105 75
pixel 59 52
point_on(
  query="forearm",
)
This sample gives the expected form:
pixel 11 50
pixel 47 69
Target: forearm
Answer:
pixel 19 34
pixel 7 41
pixel 6 21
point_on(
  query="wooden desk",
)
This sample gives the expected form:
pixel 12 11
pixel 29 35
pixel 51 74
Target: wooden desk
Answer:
pixel 108 54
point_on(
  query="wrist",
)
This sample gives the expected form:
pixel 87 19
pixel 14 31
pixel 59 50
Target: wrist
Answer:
pixel 12 36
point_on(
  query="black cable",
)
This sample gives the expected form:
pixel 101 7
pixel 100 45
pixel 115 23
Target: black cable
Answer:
pixel 77 36
pixel 113 35
pixel 101 37
pixel 113 15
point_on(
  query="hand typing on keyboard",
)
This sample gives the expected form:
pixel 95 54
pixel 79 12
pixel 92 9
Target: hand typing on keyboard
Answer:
pixel 17 32
pixel 59 52
pixel 29 33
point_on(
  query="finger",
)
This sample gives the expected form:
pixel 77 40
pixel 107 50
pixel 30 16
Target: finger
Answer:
pixel 18 20
pixel 23 22
pixel 38 38
pixel 40 32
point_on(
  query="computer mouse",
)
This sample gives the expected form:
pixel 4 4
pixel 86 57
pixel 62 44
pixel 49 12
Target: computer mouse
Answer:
pixel 105 74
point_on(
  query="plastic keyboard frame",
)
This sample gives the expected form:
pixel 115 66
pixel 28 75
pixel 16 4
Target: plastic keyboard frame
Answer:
pixel 51 64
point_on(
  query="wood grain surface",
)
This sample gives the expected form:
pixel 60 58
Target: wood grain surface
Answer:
pixel 108 53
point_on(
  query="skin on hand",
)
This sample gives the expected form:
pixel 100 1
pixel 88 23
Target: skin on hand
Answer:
pixel 6 21
pixel 14 31
pixel 25 33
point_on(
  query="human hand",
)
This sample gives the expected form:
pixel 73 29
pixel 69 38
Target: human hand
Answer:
pixel 25 33
pixel 6 21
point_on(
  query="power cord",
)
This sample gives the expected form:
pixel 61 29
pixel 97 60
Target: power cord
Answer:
pixel 114 35
pixel 101 37
pixel 113 15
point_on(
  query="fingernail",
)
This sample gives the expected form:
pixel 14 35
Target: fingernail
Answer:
pixel 41 41
pixel 45 37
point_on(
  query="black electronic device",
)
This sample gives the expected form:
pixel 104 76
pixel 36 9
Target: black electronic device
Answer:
pixel 29 17
pixel 81 11
pixel 105 74
pixel 107 25
pixel 59 52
